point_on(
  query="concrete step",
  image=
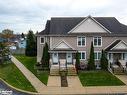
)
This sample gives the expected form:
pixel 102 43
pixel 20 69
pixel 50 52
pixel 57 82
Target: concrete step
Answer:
pixel 118 71
pixel 54 71
pixel 72 71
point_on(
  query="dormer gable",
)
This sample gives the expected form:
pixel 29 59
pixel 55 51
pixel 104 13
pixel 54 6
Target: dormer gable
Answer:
pixel 89 25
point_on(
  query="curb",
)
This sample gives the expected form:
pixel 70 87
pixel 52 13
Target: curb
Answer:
pixel 17 89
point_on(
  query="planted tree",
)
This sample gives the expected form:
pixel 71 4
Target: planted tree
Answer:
pixel 77 57
pixel 45 56
pixel 23 36
pixel 91 62
pixel 31 49
pixel 4 53
pixel 7 34
pixel 104 61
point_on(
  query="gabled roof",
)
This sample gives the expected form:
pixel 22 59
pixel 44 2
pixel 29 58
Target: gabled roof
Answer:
pixel 62 45
pixel 112 45
pixel 117 45
pixel 89 21
pixel 61 26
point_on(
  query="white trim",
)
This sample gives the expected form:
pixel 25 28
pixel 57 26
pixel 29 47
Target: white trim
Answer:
pixel 81 45
pixel 118 43
pixel 65 43
pixel 81 54
pixel 44 40
pixel 50 42
pixel 97 45
pixel 85 20
pixel 97 54
pixel 110 44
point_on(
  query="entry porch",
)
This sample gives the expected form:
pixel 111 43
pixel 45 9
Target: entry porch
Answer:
pixel 62 60
pixel 117 56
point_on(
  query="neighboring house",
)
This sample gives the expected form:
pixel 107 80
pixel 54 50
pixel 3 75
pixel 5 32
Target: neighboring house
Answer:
pixel 67 35
pixel 12 47
pixel 2 39
pixel 22 43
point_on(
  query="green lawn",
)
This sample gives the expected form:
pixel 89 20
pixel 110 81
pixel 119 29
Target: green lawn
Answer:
pixel 11 74
pixel 98 78
pixel 29 62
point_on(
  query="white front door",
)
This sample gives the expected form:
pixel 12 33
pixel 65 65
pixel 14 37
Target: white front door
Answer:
pixel 55 58
pixel 69 58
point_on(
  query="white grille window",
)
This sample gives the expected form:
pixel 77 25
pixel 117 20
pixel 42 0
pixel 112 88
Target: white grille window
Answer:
pixel 81 41
pixel 97 41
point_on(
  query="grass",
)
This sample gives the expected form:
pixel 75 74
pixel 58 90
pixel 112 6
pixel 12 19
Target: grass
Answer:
pixel 30 62
pixel 98 78
pixel 11 74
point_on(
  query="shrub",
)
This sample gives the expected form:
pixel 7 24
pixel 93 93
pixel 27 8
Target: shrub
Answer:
pixel 45 56
pixel 104 61
pixel 91 62
pixel 77 57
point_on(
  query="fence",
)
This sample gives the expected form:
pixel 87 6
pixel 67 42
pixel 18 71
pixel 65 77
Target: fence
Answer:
pixel 18 51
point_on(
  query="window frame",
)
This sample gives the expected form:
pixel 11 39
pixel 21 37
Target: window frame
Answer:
pixel 80 52
pixel 40 40
pixel 97 55
pixel 97 41
pixel 81 41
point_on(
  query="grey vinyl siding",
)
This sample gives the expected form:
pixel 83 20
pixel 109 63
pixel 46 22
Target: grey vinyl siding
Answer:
pixel 72 41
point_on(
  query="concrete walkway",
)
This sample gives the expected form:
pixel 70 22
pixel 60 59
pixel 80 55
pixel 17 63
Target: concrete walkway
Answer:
pixel 37 84
pixel 54 81
pixel 75 86
pixel 123 78
pixel 73 81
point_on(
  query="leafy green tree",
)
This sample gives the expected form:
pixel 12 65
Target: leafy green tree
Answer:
pixel 31 49
pixel 104 61
pixel 77 57
pixel 45 56
pixel 91 62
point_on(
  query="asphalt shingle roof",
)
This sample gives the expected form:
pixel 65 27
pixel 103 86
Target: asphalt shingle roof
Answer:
pixel 112 45
pixel 61 26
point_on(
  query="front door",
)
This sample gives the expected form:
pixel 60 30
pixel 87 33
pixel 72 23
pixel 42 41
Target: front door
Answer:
pixel 69 58
pixel 55 58
pixel 117 56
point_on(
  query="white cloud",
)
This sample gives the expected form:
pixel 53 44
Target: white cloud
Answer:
pixel 21 15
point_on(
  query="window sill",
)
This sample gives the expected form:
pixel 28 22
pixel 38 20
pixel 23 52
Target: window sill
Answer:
pixel 42 43
pixel 97 46
pixel 81 46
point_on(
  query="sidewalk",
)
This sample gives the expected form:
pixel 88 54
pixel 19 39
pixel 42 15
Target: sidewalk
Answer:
pixel 123 78
pixel 37 84
pixel 73 81
pixel 74 84
pixel 54 81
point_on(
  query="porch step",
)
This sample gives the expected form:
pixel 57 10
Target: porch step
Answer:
pixel 54 72
pixel 72 71
pixel 118 71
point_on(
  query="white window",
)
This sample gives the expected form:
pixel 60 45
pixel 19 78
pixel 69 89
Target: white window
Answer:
pixel 97 41
pixel 97 55
pixel 124 56
pixel 109 56
pixel 42 40
pixel 82 55
pixel 81 41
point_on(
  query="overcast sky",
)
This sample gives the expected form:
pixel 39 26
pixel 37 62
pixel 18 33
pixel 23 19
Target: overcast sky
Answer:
pixel 22 15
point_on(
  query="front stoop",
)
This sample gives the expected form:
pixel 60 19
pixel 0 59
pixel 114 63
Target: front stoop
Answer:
pixel 118 71
pixel 71 71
